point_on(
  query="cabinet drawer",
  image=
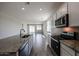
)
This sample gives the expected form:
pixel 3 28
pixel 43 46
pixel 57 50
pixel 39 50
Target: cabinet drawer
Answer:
pixel 64 52
pixel 67 49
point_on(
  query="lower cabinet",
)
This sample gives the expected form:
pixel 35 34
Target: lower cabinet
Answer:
pixel 26 48
pixel 30 46
pixel 24 51
pixel 66 51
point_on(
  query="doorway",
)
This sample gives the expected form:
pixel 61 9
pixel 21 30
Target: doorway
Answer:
pixel 35 28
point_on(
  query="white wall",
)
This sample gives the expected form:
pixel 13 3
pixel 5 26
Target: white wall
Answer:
pixel 9 25
pixel 54 30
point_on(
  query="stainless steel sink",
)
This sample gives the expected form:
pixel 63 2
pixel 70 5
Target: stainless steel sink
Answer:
pixel 25 36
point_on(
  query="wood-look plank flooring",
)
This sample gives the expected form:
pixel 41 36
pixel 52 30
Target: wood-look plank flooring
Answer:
pixel 39 46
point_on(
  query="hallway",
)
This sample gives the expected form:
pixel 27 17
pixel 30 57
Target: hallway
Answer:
pixel 39 46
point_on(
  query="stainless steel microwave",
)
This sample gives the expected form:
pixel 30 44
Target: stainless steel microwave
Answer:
pixel 62 21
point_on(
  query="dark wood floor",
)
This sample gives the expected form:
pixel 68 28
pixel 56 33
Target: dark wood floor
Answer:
pixel 39 46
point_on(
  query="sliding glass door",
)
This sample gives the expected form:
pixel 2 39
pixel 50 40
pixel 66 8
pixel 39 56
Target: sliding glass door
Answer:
pixel 39 29
pixel 31 29
pixel 35 29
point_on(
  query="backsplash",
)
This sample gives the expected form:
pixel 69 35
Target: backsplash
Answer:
pixel 71 29
pixel 57 31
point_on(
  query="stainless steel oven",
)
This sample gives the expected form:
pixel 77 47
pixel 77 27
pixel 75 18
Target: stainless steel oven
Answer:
pixel 55 45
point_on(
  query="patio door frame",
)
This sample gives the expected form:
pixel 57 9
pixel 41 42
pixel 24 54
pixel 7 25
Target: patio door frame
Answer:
pixel 35 27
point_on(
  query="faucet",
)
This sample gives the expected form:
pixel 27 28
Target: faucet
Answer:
pixel 20 32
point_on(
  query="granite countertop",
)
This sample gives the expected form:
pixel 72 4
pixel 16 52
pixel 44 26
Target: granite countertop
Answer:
pixel 74 44
pixel 11 44
pixel 68 43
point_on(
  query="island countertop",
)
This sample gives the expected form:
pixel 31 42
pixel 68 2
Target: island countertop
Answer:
pixel 11 44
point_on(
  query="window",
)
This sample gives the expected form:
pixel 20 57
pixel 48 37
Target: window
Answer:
pixel 31 29
pixel 39 27
pixel 48 26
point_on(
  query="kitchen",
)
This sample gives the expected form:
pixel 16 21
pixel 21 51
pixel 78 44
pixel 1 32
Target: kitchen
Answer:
pixel 39 29
pixel 65 30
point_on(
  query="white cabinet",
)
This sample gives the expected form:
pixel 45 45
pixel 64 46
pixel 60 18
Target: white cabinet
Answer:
pixel 63 52
pixel 73 10
pixel 53 21
pixel 66 51
pixel 62 10
pixel 59 13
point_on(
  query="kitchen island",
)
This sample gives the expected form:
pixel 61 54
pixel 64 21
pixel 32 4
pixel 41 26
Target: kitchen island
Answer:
pixel 11 46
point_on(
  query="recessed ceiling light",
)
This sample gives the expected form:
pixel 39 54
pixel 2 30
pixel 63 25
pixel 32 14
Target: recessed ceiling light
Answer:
pixel 41 9
pixel 22 8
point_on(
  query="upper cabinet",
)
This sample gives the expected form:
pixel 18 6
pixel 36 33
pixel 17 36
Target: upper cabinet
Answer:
pixel 70 8
pixel 62 16
pixel 59 13
pixel 73 10
pixel 53 20
pixel 62 10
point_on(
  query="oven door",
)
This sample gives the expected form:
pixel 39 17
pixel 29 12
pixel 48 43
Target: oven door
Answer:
pixel 55 46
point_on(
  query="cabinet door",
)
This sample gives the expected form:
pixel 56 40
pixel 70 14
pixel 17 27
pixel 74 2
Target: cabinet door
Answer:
pixel 24 51
pixel 30 45
pixel 66 51
pixel 64 8
pixel 73 10
pixel 59 13
pixel 63 52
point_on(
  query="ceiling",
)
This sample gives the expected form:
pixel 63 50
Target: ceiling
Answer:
pixel 31 11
